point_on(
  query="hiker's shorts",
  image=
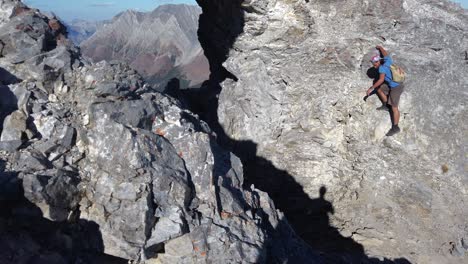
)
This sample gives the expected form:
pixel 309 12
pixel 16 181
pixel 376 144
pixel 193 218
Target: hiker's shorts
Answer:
pixel 392 94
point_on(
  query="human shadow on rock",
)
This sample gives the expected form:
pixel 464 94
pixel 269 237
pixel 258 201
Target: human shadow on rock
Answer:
pixel 27 237
pixel 218 30
pixel 308 217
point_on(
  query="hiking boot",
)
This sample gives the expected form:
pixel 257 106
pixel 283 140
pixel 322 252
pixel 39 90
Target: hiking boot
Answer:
pixel 383 108
pixel 393 131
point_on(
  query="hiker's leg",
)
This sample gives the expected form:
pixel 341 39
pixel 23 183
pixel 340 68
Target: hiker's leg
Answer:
pixel 382 96
pixel 390 113
pixel 395 115
pixel 393 101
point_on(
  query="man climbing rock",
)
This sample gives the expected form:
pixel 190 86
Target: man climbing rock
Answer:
pixel 388 91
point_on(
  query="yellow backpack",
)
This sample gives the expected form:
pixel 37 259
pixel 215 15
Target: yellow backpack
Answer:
pixel 398 74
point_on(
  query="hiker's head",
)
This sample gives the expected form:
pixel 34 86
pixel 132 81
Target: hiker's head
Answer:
pixel 375 60
pixel 322 191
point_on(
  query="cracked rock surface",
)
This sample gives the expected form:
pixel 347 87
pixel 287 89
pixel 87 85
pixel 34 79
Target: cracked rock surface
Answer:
pixel 293 75
pixel 96 167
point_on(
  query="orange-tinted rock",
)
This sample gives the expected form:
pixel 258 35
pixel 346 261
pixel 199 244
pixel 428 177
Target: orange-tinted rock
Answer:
pixel 20 10
pixel 55 25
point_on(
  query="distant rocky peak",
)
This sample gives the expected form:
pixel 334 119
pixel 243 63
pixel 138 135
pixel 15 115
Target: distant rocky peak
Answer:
pixel 180 11
pixel 130 15
pixel 160 45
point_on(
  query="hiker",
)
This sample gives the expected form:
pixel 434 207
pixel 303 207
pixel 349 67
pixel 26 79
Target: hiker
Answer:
pixel 387 90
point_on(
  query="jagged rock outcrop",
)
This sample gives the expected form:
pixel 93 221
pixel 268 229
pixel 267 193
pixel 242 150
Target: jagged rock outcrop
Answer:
pixel 160 45
pixel 94 161
pixel 293 76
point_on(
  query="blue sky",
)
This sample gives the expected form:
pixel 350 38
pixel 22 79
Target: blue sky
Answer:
pixel 464 3
pixel 97 9
pixel 105 9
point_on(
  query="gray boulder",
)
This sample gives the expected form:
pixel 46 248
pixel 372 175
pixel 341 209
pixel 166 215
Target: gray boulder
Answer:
pixel 56 193
pixel 14 126
pixel 10 146
pixel 24 36
pixel 32 161
pixel 127 172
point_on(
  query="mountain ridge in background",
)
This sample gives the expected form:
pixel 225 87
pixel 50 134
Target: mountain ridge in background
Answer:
pixel 160 45
pixel 80 30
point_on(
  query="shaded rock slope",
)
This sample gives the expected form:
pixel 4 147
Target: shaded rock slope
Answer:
pixel 160 45
pixel 292 76
pixel 96 167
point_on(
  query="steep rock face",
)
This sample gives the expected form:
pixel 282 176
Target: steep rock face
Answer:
pixel 293 76
pixel 160 45
pixel 93 161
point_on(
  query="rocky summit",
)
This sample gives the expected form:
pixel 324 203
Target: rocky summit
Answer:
pixel 97 167
pixel 292 76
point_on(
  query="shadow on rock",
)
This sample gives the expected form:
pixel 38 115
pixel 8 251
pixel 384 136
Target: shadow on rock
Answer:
pixel 6 78
pixel 8 104
pixel 308 217
pixel 27 237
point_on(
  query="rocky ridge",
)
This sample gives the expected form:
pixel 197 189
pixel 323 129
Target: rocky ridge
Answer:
pixel 292 76
pixel 160 45
pixel 94 161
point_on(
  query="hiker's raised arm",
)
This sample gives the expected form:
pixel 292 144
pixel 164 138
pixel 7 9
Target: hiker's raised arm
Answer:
pixel 382 50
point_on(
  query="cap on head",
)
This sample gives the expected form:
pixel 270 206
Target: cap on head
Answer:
pixel 375 58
